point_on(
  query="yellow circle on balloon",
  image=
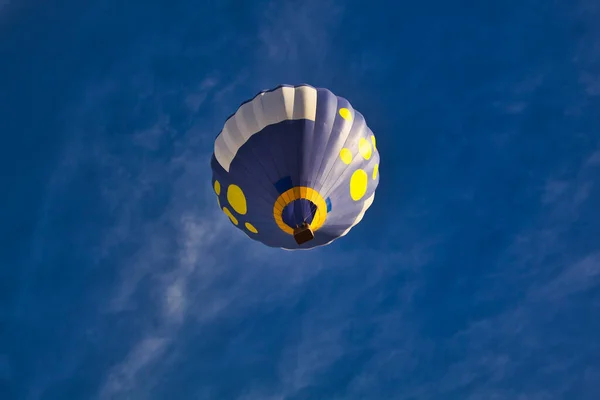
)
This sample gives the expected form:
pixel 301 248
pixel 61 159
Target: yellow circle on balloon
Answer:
pixel 217 187
pixel 346 155
pixel 364 147
pixel 345 113
pixel 358 184
pixel 374 141
pixel 235 197
pixel 230 215
pixel 251 227
pixel 375 171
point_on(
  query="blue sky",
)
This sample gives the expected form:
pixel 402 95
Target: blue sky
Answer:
pixel 474 275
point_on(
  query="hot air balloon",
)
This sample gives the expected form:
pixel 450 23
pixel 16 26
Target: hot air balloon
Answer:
pixel 295 167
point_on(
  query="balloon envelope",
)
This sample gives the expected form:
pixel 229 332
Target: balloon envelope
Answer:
pixel 295 167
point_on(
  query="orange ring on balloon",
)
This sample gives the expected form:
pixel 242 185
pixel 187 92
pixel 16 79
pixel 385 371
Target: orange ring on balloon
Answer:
pixel 297 193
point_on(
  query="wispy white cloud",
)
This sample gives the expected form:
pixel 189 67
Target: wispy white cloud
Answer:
pixel 594 159
pixel 122 379
pixel 186 250
pixel 516 340
pixel 578 277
